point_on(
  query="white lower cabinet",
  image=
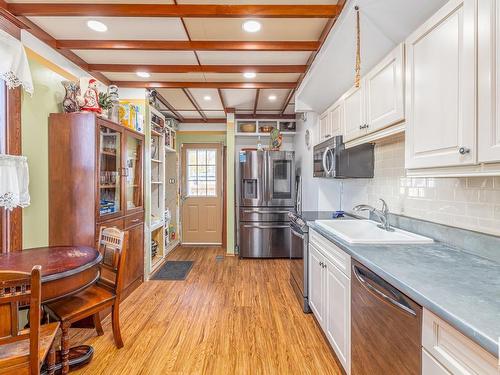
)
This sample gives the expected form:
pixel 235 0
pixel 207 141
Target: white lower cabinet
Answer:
pixel 330 295
pixel 316 285
pixel 338 312
pixel 446 351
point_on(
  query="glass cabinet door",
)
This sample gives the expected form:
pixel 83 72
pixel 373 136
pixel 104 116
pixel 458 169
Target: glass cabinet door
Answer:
pixel 133 172
pixel 109 171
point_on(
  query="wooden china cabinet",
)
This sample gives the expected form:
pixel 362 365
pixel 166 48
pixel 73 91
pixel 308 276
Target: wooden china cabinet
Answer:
pixel 96 178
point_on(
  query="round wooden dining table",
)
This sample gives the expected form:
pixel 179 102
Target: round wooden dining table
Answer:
pixel 66 270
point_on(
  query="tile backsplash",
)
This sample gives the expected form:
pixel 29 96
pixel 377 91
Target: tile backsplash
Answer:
pixel 471 203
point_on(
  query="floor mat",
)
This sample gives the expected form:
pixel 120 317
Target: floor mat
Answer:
pixel 174 270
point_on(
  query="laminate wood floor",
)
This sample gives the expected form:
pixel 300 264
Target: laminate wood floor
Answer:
pixel 228 317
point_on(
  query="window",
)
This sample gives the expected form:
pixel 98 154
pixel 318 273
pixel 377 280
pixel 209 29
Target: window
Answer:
pixel 202 172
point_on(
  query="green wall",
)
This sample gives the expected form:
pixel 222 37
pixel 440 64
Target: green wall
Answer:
pixel 46 99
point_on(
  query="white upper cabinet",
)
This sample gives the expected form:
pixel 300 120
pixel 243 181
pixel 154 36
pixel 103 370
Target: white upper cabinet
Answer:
pixel 488 81
pixel 324 127
pixel 354 114
pixel 384 92
pixel 335 115
pixel 440 89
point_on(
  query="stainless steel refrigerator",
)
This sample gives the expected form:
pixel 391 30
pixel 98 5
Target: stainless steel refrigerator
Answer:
pixel 266 195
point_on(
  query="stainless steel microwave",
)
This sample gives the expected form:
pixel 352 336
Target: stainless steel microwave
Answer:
pixel 332 160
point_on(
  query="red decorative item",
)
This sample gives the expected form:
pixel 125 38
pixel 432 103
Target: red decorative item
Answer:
pixel 91 98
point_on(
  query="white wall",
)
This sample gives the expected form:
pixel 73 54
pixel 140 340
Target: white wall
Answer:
pixel 317 193
pixel 471 203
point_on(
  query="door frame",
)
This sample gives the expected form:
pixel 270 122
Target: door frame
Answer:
pixel 182 176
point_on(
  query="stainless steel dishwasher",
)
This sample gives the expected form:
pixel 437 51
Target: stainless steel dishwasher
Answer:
pixel 386 327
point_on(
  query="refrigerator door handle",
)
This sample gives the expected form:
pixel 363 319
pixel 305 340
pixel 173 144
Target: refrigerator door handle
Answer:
pixel 256 211
pixel 266 226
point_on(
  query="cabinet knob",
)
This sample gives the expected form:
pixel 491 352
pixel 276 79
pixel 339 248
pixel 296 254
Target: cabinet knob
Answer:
pixel 364 126
pixel 463 150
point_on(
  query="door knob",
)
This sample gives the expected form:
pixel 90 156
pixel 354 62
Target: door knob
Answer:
pixel 463 150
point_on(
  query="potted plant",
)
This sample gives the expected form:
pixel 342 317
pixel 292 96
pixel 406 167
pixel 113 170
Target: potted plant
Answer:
pixel 105 102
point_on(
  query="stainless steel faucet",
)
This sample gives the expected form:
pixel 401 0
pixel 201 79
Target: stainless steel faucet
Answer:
pixel 382 215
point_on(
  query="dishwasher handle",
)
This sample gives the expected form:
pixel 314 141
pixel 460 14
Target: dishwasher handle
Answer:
pixel 382 289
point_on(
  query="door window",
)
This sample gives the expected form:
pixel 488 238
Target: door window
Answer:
pixel 202 172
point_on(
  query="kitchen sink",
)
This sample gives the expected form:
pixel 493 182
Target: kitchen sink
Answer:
pixel 368 232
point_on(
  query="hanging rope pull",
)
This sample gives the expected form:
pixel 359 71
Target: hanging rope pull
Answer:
pixel 357 75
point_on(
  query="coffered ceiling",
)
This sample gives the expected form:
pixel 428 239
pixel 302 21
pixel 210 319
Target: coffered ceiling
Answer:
pixel 195 52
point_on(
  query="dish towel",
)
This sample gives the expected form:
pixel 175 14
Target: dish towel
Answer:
pixel 14 181
pixel 14 67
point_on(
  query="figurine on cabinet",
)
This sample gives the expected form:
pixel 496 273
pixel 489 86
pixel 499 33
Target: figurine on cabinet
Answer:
pixel 90 101
pixel 70 102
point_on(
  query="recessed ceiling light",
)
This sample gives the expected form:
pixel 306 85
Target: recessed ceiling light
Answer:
pixel 97 26
pixel 272 97
pixel 143 74
pixel 249 75
pixel 207 97
pixel 251 26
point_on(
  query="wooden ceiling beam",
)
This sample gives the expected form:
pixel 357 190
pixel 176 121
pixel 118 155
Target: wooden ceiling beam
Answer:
pixel 221 120
pixel 170 107
pixel 132 68
pixel 287 101
pixel 263 116
pixel 256 103
pixel 219 91
pixel 172 10
pixel 206 85
pixel 187 45
pixel 194 103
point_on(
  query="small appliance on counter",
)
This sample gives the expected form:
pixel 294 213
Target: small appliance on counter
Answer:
pixel 332 160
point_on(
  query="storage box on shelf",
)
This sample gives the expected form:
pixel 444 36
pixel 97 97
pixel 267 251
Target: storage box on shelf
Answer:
pixel 96 179
pixel 263 128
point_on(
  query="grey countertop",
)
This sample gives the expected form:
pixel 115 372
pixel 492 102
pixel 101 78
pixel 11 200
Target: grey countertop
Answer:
pixel 459 287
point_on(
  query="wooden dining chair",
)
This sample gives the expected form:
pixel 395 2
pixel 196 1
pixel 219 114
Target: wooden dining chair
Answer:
pixel 24 351
pixel 98 297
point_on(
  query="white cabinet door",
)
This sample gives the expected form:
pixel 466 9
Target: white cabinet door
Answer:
pixel 324 127
pixel 354 114
pixel 316 287
pixel 440 89
pixel 338 313
pixel 384 92
pixel 335 118
pixel 488 81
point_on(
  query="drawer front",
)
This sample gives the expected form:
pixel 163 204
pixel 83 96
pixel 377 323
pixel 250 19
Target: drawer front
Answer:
pixel 336 255
pixel 133 220
pixel 457 353
pixel 432 367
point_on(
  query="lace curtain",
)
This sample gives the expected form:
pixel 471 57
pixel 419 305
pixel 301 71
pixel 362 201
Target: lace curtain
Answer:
pixel 14 68
pixel 14 181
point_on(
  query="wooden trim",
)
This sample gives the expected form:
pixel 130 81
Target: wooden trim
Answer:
pixel 37 32
pixel 256 103
pixel 173 10
pixel 194 103
pixel 132 68
pixel 185 45
pixel 203 121
pixel 207 85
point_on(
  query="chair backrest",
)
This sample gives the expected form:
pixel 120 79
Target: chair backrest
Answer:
pixel 21 289
pixel 113 248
